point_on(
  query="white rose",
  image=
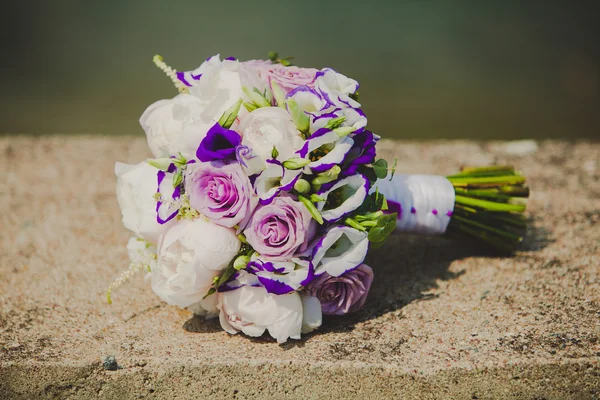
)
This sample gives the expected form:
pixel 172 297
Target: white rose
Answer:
pixel 266 127
pixel 190 255
pixel 252 310
pixel 164 121
pixel 136 187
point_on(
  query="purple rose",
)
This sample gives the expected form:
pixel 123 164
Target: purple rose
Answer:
pixel 279 229
pixel 218 144
pixel 344 294
pixel 221 192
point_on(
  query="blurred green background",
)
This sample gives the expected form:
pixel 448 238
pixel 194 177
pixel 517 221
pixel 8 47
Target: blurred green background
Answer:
pixel 482 69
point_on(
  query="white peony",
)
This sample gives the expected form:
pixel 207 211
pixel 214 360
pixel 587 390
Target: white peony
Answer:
pixel 268 127
pixel 164 122
pixel 252 310
pixel 190 255
pixel 312 316
pixel 179 124
pixel 136 187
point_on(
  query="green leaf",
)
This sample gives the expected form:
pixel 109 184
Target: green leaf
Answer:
pixel 393 171
pixel 229 116
pixel 311 209
pixel 381 168
pixel 212 290
pixel 273 56
pixel 385 226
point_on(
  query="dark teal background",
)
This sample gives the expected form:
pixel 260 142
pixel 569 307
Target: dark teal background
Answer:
pixel 428 69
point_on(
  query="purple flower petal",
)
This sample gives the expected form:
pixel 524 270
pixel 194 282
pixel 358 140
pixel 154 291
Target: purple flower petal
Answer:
pixel 219 144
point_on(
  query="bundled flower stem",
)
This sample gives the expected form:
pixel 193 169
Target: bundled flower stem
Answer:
pixel 489 206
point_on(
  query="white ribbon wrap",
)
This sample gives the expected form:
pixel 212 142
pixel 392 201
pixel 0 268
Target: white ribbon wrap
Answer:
pixel 424 202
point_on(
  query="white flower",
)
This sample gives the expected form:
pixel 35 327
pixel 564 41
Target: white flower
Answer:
pixel 141 252
pixel 348 194
pixel 164 121
pixel 190 255
pixel 179 124
pixel 252 310
pixel 325 149
pixel 278 277
pixel 340 250
pixel 274 180
pixel 269 127
pixel 336 88
pixel 136 187
pixel 312 317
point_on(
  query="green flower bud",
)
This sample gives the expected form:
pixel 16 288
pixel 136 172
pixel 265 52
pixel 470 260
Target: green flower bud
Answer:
pixel 343 131
pixel 315 198
pixel 229 116
pixel 328 176
pixel 279 94
pixel 160 163
pixel 295 163
pixel 256 98
pixel 302 186
pixel 334 123
pixel 241 262
pixel 312 209
pixel 177 179
pixel 274 153
pixel 249 106
pixel 299 117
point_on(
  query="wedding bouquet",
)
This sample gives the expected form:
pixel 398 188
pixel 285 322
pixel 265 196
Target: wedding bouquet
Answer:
pixel 265 195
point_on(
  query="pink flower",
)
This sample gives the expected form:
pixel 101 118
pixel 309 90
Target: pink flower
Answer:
pixel 221 192
pixel 288 78
pixel 277 230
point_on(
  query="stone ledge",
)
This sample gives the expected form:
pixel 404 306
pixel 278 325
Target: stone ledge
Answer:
pixel 573 380
pixel 443 319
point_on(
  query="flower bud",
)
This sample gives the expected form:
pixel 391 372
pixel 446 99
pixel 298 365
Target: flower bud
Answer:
pixel 241 262
pixel 299 117
pixel 279 94
pixel 229 116
pixel 160 163
pixel 302 186
pixel 295 163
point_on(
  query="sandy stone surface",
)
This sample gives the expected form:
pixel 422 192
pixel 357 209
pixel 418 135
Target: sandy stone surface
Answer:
pixel 443 320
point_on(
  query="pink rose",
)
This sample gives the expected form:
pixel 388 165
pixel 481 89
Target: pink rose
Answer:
pixel 288 78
